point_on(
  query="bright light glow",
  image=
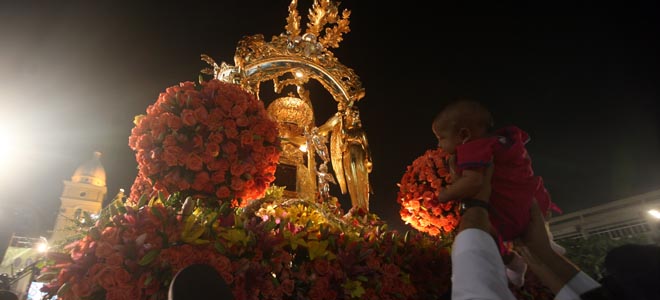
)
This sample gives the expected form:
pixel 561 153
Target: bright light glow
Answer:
pixel 299 74
pixel 8 145
pixel 303 148
pixel 654 213
pixel 42 247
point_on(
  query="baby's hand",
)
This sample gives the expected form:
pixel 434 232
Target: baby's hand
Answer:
pixel 452 165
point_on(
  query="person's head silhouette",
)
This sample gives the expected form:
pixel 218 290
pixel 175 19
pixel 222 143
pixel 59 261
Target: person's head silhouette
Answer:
pixel 198 281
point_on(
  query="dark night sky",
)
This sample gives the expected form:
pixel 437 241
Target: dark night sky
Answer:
pixel 582 78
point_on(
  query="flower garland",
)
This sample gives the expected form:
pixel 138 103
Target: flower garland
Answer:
pixel 418 190
pixel 284 252
pixel 213 139
pixel 133 251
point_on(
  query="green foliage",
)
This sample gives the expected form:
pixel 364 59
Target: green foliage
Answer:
pixel 589 254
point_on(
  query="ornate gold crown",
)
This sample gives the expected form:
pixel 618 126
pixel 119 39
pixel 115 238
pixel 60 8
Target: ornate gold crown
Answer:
pixel 292 58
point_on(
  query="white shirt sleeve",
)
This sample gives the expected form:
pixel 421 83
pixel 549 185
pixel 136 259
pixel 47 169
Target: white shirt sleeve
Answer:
pixel 477 268
pixel 578 285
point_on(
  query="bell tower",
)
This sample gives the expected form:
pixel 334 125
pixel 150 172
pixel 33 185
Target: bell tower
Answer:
pixel 85 192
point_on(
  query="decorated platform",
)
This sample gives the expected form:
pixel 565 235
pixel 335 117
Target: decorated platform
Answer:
pixel 241 181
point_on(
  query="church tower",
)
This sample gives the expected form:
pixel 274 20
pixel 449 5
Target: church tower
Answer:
pixel 84 192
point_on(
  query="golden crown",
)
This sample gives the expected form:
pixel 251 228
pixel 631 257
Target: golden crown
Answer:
pixel 292 58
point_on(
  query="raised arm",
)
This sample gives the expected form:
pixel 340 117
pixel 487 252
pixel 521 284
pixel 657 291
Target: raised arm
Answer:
pixel 465 186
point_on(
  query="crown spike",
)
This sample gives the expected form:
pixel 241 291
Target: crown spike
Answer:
pixel 293 20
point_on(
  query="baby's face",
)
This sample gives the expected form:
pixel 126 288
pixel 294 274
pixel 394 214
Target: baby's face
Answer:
pixel 447 139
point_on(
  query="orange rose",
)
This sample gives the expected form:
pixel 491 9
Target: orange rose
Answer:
pixel 174 122
pixel 201 113
pixel 104 249
pixel 145 141
pixel 188 117
pixel 82 288
pixel 106 277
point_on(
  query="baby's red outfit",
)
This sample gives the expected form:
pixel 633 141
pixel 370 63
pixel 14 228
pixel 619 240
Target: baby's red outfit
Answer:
pixel 514 184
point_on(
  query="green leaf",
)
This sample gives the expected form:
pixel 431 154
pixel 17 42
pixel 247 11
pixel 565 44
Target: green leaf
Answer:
pixel 121 209
pixel 164 238
pixel 143 200
pixel 219 247
pixel 149 257
pixel 223 207
pixel 157 213
pixel 270 224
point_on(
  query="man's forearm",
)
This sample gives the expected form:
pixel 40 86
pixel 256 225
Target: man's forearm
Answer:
pixel 553 269
pixel 477 218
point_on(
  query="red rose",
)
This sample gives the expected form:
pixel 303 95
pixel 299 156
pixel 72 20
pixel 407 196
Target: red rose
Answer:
pixel 229 148
pixel 201 113
pixel 188 117
pixel 242 121
pixel 218 177
pixel 194 162
pixel 237 184
pixel 246 138
pixel 201 178
pixel 216 138
pixel 205 128
pixel 223 192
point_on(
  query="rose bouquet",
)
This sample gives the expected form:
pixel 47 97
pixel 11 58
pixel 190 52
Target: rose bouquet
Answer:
pixel 418 190
pixel 211 140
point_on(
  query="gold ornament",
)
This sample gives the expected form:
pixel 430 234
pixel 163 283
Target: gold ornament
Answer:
pixel 293 58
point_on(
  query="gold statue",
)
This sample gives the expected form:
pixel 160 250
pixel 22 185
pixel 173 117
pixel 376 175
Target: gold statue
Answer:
pixel 351 159
pixel 294 58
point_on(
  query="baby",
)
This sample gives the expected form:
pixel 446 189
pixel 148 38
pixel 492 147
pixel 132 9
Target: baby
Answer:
pixel 463 130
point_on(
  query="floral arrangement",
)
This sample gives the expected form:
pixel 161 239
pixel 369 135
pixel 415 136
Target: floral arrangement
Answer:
pixel 418 190
pixel 287 250
pixel 211 140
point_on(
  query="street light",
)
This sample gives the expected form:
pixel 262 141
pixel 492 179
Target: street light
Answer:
pixel 654 213
pixel 42 245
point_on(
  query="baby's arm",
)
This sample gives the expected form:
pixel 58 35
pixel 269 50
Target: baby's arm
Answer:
pixel 465 186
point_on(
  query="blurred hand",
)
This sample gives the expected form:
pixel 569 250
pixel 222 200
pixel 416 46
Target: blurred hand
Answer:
pixel 537 236
pixel 553 269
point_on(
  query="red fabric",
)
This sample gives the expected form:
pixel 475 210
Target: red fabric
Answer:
pixel 514 184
